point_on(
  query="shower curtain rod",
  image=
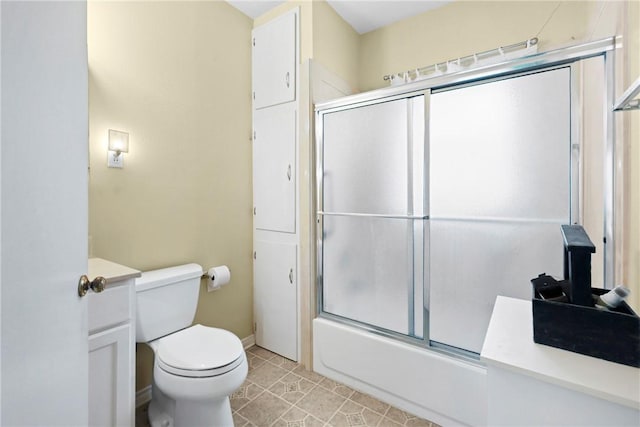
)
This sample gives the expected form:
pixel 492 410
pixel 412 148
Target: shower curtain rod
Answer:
pixel 462 62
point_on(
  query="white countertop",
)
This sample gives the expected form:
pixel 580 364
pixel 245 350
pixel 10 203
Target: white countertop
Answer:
pixel 110 270
pixel 509 345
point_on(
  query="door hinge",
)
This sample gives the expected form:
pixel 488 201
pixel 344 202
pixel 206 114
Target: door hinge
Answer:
pixel 254 41
pixel 254 254
pixel 255 327
pixel 254 95
pixel 254 210
pixel 254 135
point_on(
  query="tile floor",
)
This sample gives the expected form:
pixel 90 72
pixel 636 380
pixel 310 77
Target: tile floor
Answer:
pixel 282 393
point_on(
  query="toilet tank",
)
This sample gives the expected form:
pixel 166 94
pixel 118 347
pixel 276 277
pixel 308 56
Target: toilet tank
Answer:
pixel 166 300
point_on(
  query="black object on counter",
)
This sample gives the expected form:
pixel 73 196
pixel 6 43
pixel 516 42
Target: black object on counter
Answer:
pixel 577 263
pixel 612 335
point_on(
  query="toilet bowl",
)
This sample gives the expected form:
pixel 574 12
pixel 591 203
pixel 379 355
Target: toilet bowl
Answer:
pixel 196 368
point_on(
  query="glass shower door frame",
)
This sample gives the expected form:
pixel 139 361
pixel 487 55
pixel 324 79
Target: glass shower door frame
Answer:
pixel 569 56
pixel 415 216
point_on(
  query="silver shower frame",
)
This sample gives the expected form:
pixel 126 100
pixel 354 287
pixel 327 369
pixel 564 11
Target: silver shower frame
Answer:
pixel 568 56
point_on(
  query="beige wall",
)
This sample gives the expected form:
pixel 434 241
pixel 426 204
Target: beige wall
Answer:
pixel 632 146
pixel 336 44
pixel 177 77
pixel 623 18
pixel 463 28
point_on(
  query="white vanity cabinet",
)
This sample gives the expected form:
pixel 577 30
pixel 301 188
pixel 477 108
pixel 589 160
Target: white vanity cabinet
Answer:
pixel 111 315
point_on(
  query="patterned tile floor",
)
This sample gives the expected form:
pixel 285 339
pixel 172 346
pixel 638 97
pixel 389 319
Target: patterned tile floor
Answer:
pixel 282 393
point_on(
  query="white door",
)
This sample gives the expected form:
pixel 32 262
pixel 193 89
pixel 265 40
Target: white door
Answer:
pixel 274 61
pixel 275 297
pixel 44 156
pixel 274 168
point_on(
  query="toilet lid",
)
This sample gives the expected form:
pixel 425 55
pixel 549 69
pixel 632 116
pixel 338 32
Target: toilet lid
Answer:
pixel 199 351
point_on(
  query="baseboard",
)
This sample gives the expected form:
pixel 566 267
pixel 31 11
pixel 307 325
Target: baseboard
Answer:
pixel 143 396
pixel 249 341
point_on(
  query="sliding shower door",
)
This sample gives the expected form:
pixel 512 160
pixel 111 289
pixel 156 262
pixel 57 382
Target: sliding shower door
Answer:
pixel 500 173
pixel 372 214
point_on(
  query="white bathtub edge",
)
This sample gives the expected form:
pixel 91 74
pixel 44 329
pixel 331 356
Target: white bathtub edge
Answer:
pixel 441 389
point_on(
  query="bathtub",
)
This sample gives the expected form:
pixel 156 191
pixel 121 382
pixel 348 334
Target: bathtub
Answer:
pixel 426 383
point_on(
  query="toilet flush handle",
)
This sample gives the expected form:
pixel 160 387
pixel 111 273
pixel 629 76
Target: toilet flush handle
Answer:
pixel 96 285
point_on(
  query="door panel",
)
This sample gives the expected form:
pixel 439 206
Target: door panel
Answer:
pixel 44 213
pixel 274 61
pixel 500 172
pixel 274 168
pixel 275 297
pixel 472 262
pixel 365 159
pixel 373 203
pixel 367 270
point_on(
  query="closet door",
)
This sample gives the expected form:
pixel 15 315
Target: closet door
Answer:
pixel 500 170
pixel 274 164
pixel 275 297
pixel 274 61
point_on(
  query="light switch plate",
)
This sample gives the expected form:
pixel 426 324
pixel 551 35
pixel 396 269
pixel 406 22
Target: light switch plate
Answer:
pixel 114 161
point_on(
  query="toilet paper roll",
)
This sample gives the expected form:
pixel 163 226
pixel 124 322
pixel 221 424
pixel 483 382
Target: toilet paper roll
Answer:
pixel 218 277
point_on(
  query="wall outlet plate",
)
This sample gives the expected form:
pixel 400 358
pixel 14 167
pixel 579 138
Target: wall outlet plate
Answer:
pixel 115 161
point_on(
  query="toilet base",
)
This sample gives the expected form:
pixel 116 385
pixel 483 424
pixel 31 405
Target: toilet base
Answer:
pixel 166 412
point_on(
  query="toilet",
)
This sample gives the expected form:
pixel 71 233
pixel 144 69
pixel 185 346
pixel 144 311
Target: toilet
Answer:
pixel 196 368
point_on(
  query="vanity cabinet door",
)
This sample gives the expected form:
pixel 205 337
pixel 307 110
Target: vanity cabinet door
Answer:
pixel 110 372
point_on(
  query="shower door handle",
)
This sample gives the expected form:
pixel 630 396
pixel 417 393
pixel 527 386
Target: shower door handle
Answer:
pixel 291 276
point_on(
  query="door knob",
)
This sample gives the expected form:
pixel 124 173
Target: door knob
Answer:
pixel 96 285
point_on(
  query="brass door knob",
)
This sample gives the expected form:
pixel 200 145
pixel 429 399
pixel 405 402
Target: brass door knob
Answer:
pixel 96 285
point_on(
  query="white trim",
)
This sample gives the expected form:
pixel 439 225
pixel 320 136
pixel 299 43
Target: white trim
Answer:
pixel 249 341
pixel 143 396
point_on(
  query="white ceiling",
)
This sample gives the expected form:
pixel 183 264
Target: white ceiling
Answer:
pixel 362 15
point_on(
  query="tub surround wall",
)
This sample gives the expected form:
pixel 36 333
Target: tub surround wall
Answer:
pixel 177 77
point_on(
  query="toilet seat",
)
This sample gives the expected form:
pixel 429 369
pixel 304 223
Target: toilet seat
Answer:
pixel 199 351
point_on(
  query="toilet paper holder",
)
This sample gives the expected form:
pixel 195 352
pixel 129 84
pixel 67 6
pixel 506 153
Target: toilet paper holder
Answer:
pixel 217 277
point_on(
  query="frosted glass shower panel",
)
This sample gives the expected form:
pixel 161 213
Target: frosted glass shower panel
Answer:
pixel 500 187
pixel 365 159
pixel 502 149
pixel 473 261
pixel 368 270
